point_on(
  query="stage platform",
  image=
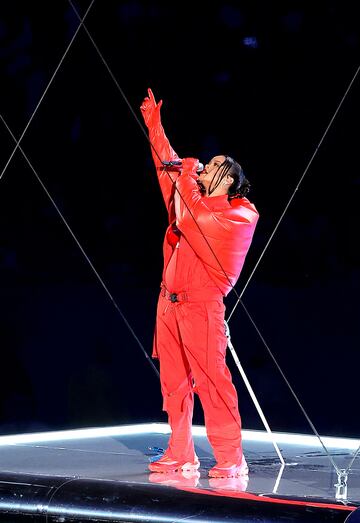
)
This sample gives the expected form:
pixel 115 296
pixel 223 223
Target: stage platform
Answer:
pixel 101 474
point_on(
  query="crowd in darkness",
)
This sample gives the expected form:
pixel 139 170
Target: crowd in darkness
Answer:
pixel 257 80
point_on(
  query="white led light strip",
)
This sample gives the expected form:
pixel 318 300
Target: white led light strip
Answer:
pixel 163 428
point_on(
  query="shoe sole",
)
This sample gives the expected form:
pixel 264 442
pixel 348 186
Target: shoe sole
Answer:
pixel 186 467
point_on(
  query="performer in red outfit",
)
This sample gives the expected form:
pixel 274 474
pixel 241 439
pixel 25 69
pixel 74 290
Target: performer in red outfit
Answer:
pixel 211 225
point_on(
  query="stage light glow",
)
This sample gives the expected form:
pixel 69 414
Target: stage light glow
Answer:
pixel 251 41
pixel 163 428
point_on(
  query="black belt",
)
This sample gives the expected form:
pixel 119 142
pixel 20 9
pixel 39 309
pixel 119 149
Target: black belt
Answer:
pixel 204 294
pixel 173 296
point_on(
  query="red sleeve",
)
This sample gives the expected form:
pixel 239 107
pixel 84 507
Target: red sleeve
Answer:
pixel 162 150
pixel 220 238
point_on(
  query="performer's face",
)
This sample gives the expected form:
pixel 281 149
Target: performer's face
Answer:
pixel 212 171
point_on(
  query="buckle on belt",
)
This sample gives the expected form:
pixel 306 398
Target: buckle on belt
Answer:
pixel 173 297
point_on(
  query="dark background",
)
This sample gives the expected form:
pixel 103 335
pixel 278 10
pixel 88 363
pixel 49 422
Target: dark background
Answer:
pixel 257 80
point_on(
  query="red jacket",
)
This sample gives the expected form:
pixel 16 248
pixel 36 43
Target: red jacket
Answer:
pixel 223 231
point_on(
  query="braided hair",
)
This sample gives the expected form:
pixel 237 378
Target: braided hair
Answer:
pixel 240 186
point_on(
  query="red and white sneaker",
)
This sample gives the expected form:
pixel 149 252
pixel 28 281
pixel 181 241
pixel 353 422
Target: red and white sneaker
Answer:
pixel 229 470
pixel 167 464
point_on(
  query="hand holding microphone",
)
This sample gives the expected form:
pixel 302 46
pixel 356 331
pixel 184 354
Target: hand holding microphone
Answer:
pixel 191 164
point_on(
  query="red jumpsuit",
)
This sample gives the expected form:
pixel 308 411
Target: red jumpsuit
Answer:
pixel 190 339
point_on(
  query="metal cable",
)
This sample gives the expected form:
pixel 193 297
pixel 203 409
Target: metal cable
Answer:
pixel 46 89
pixel 252 394
pixel 293 392
pixel 262 254
pixel 17 146
pixel 214 254
pixel 81 248
pixel 352 460
pixel 145 133
pixel 150 143
pixel 296 188
pixel 250 390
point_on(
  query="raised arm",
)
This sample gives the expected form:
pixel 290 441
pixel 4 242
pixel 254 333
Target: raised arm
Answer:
pixel 160 149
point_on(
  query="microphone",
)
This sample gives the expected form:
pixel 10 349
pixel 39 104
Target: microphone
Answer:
pixel 178 163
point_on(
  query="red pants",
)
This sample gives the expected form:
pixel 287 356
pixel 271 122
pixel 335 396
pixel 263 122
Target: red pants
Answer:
pixel 191 346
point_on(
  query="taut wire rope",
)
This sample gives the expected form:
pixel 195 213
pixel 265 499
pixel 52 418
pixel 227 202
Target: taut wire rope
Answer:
pixel 265 249
pixel 46 89
pixel 232 350
pixel 81 248
pixel 355 455
pixel 18 146
pixel 150 143
pixel 214 254
pixel 297 186
pixel 144 131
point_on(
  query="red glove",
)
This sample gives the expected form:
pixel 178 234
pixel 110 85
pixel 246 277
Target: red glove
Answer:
pixel 151 110
pixel 160 150
pixel 190 166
